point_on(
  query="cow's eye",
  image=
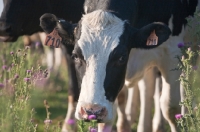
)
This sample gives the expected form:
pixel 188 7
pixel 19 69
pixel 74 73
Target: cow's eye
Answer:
pixel 121 60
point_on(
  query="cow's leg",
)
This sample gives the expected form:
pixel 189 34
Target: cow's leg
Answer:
pixel 158 119
pixel 122 122
pixel 107 127
pixel 147 88
pixel 170 96
pixel 132 105
pixel 26 40
pixel 69 124
pixel 73 94
pixel 49 58
pixel 58 60
pixel 49 52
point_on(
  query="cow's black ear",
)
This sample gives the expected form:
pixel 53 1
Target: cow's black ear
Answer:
pixel 49 23
pixel 150 36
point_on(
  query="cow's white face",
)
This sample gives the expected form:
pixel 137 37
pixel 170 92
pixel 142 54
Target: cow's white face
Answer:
pixel 99 37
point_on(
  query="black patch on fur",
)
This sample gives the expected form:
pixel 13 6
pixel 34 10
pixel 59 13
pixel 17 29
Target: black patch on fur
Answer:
pixel 115 71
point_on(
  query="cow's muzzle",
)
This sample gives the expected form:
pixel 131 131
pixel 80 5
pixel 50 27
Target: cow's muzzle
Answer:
pixel 92 111
pixel 6 35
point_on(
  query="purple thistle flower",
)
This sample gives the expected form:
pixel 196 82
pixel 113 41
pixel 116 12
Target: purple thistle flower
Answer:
pixel 48 121
pixel 180 45
pixel 71 122
pixel 92 117
pixel 28 71
pixel 37 44
pixel 12 64
pixel 178 116
pixel 195 68
pixel 93 130
pixel 4 67
pixel 16 76
pixel 107 129
pixel 11 52
pixel 1 85
pixel 27 79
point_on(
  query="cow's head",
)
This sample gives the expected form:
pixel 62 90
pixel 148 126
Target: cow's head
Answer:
pixel 102 43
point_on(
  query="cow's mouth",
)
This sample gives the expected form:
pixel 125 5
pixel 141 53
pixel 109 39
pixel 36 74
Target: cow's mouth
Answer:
pixel 5 28
pixel 5 32
pixel 98 120
pixel 99 115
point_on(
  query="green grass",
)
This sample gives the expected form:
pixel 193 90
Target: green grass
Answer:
pixel 58 105
pixel 55 92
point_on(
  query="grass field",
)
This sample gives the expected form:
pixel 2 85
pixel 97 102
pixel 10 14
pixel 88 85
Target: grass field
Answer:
pixel 54 90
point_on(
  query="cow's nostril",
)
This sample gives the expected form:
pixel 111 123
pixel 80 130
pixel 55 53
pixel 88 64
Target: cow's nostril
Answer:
pixel 98 113
pixel 89 111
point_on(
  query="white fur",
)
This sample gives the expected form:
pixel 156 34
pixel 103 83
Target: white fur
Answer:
pixel 100 35
pixel 158 119
pixel 85 9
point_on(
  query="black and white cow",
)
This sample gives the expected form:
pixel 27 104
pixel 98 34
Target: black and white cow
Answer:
pixel 103 39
